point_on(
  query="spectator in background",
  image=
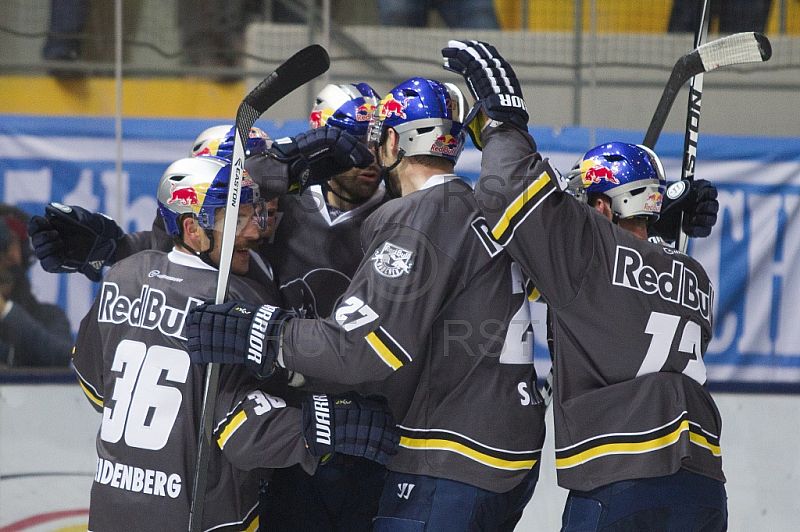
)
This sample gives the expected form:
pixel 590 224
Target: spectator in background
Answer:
pixel 471 14
pixel 212 32
pixel 733 16
pixel 67 20
pixel 31 333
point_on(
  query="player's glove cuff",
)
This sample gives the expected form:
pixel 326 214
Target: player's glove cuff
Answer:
pixel 692 202
pixel 237 332
pixel 492 82
pixel 349 424
pixel 69 239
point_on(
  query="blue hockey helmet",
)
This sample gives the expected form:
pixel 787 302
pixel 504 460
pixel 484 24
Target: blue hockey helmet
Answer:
pixel 427 115
pixel 630 175
pixel 199 186
pixel 218 140
pixel 349 107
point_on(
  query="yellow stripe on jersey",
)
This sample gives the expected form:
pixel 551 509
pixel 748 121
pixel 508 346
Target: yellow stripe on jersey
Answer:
pixel 91 395
pixel 513 209
pixel 237 421
pixel 253 526
pixel 482 458
pixel 383 352
pixel 702 441
pixel 623 448
pixel 534 295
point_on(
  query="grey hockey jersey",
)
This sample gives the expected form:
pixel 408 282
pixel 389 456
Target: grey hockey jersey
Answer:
pixel 438 310
pixel 133 367
pixel 631 321
pixel 313 256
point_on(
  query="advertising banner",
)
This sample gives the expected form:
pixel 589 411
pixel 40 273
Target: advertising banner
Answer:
pixel 751 255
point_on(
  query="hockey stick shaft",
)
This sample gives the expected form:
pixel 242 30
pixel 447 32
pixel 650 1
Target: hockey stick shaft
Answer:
pixel 693 121
pixel 739 48
pixel 296 71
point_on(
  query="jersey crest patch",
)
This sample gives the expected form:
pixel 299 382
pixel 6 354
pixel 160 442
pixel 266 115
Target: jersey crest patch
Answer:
pixel 392 261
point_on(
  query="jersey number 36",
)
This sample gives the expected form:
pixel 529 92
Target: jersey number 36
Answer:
pixel 142 410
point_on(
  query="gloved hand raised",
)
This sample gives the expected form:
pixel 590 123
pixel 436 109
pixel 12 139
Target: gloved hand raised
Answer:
pixel 236 332
pixel 349 424
pixel 71 239
pixel 492 82
pixel 318 155
pixel 696 201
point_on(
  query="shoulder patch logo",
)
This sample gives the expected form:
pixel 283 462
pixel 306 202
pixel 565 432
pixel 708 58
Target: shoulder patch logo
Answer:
pixel 392 261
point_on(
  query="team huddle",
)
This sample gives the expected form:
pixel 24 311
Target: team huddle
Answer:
pixel 375 345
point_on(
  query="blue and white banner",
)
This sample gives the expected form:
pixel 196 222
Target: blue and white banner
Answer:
pixel 751 255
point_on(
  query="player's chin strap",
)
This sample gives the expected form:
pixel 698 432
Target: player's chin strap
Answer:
pixel 328 188
pixel 205 256
pixel 386 169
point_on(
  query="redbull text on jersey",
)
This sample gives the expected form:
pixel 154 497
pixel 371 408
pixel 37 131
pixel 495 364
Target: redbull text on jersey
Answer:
pixel 149 311
pixel 679 285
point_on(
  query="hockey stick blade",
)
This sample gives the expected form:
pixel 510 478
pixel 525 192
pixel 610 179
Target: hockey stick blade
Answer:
pixel 736 49
pixel 296 71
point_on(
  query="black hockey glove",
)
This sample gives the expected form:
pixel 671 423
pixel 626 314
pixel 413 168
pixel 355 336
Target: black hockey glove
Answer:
pixel 318 155
pixel 696 201
pixel 236 332
pixel 71 239
pixel 492 82
pixel 349 424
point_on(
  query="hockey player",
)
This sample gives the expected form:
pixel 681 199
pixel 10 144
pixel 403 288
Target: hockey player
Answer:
pixel 81 241
pixel 132 363
pixel 437 311
pixel 314 252
pixel 316 247
pixel 637 433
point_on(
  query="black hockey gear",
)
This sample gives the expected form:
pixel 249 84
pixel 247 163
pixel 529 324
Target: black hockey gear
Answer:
pixel 71 239
pixel 696 201
pixel 349 424
pixel 236 332
pixel 492 82
pixel 319 154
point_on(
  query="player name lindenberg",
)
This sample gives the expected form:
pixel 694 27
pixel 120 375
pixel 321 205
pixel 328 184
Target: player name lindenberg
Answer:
pixel 678 285
pixel 149 311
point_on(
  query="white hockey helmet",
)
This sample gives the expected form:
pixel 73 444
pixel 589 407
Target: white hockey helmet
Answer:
pixel 199 186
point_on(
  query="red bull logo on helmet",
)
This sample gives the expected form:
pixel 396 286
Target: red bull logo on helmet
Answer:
pixel 446 145
pixel 364 112
pixel 183 195
pixel 594 173
pixel 319 117
pixel 210 148
pixel 653 202
pixel 390 106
